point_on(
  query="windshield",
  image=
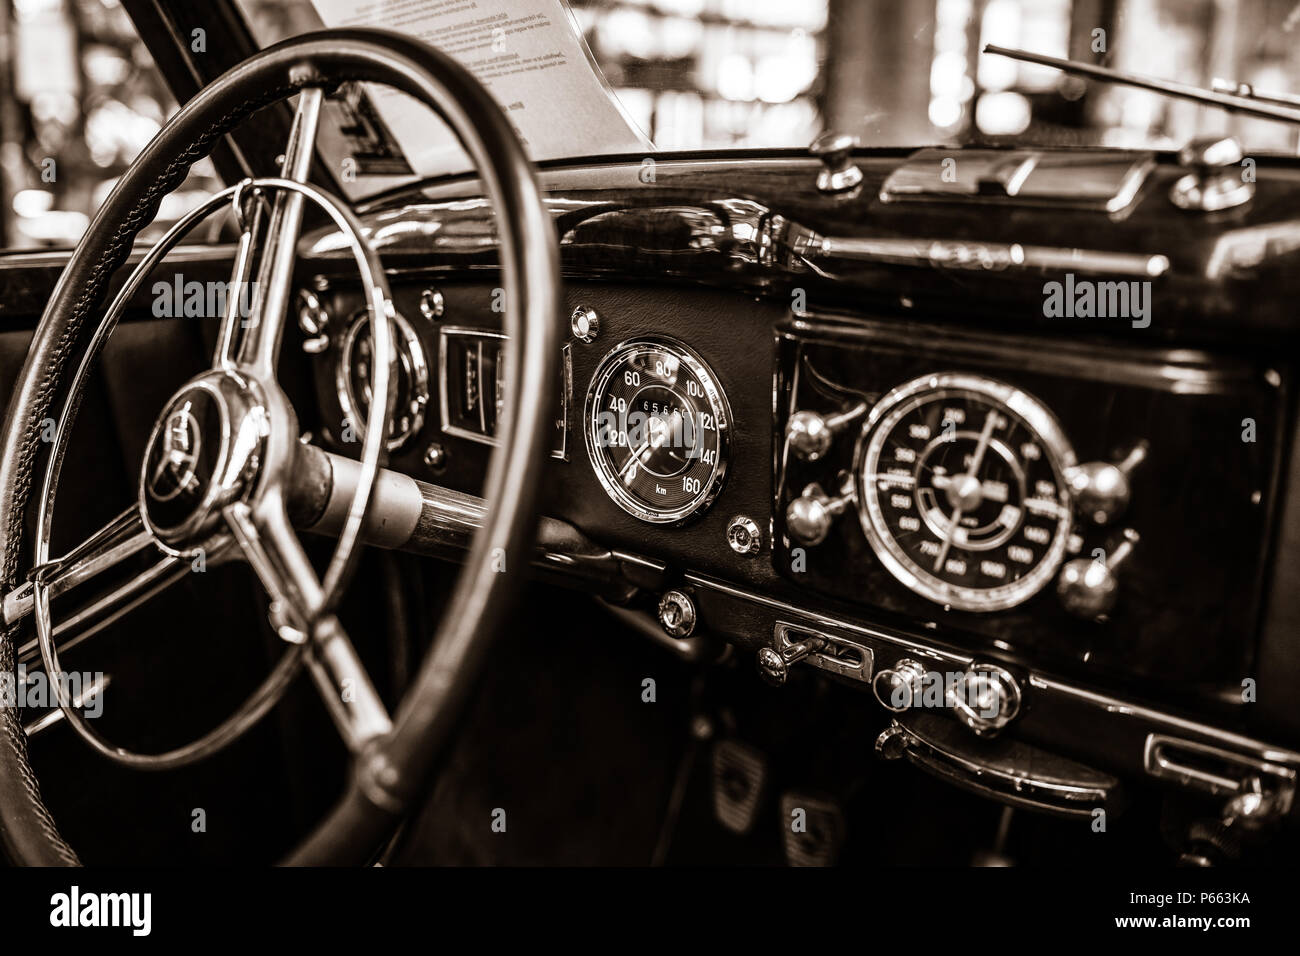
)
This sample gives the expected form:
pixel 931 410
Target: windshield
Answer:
pixel 729 74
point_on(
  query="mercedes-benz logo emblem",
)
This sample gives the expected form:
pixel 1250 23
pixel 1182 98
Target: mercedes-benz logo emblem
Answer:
pixel 175 470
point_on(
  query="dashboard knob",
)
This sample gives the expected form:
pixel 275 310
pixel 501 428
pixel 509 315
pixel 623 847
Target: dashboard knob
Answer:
pixel 838 173
pixel 1088 587
pixel 774 665
pixel 808 435
pixel 986 698
pixel 584 323
pixel 900 686
pixel 677 614
pixel 744 535
pixel 809 517
pixel 313 318
pixel 1217 179
pixel 892 742
pixel 1101 489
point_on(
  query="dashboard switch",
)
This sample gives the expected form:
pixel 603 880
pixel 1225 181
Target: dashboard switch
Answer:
pixel 899 686
pixel 986 698
pixel 774 665
pixel 744 536
pixel 677 614
pixel 1101 489
pixel 1215 181
pixel 809 517
pixel 809 434
pixel 584 323
pixel 1088 587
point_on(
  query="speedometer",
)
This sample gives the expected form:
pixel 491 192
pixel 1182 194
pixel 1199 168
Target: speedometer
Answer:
pixel 657 429
pixel 962 490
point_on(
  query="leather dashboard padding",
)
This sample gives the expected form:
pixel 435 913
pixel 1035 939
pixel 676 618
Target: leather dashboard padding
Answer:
pixel 386 777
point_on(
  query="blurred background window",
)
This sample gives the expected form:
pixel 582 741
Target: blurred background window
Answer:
pixel 79 95
pixel 718 74
pixel 79 98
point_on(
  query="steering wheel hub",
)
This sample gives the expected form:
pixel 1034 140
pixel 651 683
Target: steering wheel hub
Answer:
pixel 204 453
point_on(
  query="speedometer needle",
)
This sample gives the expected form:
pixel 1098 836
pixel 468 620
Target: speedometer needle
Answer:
pixel 989 424
pixel 629 469
pixel 947 538
pixel 971 473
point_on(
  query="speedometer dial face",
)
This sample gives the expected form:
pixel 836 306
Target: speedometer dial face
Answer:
pixel 962 490
pixel 657 426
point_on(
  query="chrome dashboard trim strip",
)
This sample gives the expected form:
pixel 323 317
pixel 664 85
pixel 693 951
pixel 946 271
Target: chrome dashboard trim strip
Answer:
pixel 982 256
pixel 1270 753
pixel 1114 705
pixel 823 620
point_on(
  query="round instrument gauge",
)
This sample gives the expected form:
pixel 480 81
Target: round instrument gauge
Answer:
pixel 657 426
pixel 962 492
pixel 352 378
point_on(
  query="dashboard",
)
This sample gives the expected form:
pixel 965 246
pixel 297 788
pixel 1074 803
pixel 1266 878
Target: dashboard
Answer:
pixel 851 434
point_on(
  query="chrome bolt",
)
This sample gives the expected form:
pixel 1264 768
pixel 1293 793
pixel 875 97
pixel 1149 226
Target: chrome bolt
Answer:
pixel 432 304
pixel 435 456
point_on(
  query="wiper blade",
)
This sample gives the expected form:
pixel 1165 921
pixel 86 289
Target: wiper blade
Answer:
pixel 1250 105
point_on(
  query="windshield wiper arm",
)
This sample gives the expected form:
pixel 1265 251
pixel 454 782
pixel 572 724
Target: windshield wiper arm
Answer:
pixel 1228 101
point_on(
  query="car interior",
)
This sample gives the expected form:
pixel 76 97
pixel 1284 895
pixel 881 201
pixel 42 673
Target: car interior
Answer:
pixel 620 433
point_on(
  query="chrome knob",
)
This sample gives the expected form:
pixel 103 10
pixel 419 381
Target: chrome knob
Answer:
pixel 312 314
pixel 809 517
pixel 1254 806
pixel 677 614
pixel 1217 179
pixel 1101 489
pixel 838 173
pixel 900 686
pixel 744 536
pixel 892 742
pixel 808 435
pixel 774 665
pixel 584 323
pixel 313 318
pixel 1088 587
pixel 986 698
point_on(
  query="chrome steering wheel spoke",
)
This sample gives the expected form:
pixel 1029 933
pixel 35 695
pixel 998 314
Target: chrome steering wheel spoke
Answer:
pixel 272 255
pixel 112 544
pixel 272 548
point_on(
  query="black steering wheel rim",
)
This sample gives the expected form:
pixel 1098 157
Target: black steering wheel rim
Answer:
pixel 392 769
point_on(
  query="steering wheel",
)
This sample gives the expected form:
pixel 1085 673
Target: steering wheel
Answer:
pixel 225 463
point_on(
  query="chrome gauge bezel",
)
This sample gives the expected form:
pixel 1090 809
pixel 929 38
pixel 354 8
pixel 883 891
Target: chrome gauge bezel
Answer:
pixel 880 423
pixel 411 350
pixel 718 407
